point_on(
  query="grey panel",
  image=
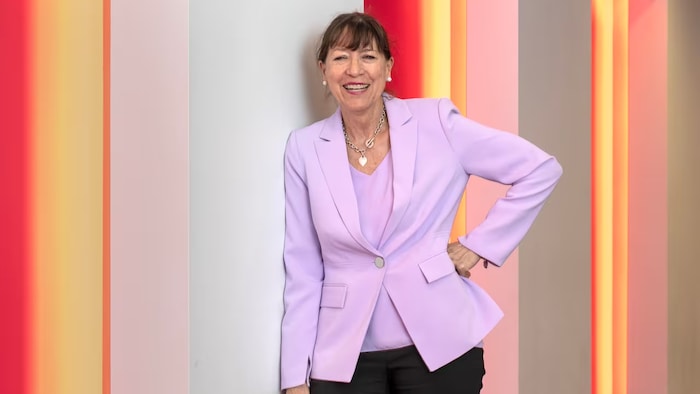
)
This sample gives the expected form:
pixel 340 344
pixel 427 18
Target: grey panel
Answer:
pixel 683 196
pixel 555 258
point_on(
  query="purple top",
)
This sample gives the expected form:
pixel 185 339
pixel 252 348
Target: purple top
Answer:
pixel 375 196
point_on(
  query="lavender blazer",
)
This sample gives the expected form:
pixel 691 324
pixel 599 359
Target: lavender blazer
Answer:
pixel 333 275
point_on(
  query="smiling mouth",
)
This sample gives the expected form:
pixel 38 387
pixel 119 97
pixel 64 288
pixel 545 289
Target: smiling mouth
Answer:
pixel 356 87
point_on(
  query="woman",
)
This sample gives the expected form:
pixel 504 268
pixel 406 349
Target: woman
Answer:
pixel 376 301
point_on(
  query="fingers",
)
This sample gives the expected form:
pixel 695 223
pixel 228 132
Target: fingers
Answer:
pixel 463 272
pixel 463 258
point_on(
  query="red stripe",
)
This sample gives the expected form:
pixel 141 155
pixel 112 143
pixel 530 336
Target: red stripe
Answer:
pixel 14 145
pixel 401 19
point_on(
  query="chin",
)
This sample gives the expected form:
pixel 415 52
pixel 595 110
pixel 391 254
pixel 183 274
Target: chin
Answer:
pixel 359 104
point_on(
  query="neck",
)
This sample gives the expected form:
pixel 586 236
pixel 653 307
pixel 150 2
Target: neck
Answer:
pixel 361 126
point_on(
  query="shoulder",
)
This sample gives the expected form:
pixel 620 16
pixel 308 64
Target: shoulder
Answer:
pixel 307 132
pixel 430 108
pixel 302 140
pixel 414 104
pixel 423 103
pixel 304 137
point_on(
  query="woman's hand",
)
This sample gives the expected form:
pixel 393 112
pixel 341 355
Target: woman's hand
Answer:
pixel 463 258
pixel 301 389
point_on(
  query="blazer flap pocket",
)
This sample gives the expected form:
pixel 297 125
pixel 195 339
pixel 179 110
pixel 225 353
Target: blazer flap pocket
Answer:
pixel 333 295
pixel 437 266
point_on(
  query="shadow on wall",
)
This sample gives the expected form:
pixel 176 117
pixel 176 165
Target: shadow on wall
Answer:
pixel 319 102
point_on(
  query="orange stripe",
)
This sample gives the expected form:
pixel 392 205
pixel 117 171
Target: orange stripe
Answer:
pixel 67 196
pixel 106 204
pixel 458 56
pixel 458 89
pixel 620 191
pixel 43 120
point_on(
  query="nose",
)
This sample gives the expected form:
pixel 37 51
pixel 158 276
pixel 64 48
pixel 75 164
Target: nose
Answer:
pixel 355 67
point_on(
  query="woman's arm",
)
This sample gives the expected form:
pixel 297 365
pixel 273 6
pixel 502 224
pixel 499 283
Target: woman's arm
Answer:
pixel 507 159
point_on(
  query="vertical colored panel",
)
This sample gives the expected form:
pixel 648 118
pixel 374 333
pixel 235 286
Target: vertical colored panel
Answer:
pixel 602 196
pixel 14 267
pixel 67 196
pixel 648 203
pixel 555 259
pixel 402 21
pixel 149 186
pixel 458 54
pixel 620 188
pixel 435 43
pixel 458 89
pixel 106 196
pixel 492 99
pixel 611 194
pixel 683 196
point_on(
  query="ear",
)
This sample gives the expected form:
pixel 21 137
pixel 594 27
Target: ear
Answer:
pixel 389 66
pixel 322 67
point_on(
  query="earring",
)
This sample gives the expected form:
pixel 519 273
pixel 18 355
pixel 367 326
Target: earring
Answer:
pixel 388 79
pixel 324 83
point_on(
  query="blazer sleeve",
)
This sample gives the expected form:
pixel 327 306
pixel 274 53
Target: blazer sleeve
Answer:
pixel 303 273
pixel 508 159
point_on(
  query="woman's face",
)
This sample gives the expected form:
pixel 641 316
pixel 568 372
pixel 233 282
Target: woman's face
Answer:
pixel 356 78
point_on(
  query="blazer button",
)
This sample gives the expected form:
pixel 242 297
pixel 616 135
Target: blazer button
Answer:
pixel 379 262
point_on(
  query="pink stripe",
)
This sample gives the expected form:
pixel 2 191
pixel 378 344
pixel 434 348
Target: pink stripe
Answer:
pixel 149 196
pixel 492 98
pixel 648 228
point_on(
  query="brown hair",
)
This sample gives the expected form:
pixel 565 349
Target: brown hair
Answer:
pixel 353 31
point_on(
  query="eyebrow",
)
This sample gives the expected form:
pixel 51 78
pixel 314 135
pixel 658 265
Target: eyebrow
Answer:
pixel 365 49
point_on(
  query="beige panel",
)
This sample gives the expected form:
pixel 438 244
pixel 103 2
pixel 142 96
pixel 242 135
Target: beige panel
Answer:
pixel 555 258
pixel 683 197
pixel 150 197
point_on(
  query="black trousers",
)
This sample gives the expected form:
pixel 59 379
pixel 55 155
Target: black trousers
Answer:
pixel 402 371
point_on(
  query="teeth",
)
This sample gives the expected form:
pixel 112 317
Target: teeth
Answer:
pixel 356 87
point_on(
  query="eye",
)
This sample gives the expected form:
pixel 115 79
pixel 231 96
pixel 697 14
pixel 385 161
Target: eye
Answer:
pixel 369 57
pixel 339 58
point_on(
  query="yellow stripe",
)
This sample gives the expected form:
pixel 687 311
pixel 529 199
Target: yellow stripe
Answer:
pixel 435 42
pixel 603 198
pixel 67 196
pixel 611 173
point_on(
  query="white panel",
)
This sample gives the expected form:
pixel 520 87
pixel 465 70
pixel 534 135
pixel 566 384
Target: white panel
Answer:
pixel 149 192
pixel 253 79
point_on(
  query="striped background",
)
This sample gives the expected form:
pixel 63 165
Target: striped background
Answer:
pixel 94 174
pixel 55 177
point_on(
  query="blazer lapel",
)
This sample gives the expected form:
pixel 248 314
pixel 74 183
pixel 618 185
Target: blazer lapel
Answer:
pixel 404 136
pixel 332 156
